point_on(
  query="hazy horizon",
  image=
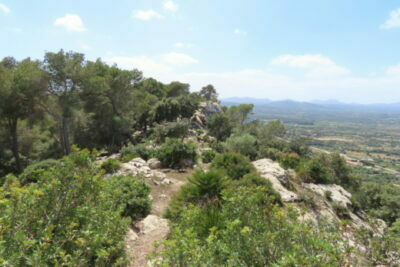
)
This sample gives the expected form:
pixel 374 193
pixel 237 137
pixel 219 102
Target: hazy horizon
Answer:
pixel 263 49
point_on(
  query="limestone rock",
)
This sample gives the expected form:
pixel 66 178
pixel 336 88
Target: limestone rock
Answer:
pixel 153 223
pixel 274 173
pixel 154 163
pixel 338 194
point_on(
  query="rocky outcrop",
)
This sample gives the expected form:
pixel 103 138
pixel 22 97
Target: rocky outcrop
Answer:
pixel 206 109
pixel 139 167
pixel 274 173
pixel 337 193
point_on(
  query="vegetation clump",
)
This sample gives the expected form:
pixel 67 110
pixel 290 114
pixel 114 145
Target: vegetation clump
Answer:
pixel 176 154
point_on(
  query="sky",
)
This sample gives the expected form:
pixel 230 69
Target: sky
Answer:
pixel 276 49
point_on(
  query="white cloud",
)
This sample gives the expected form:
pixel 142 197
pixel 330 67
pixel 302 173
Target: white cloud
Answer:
pixel 240 32
pixel 71 22
pixel 146 14
pixel 170 6
pixel 4 8
pixel 393 21
pixel 184 45
pixel 179 59
pixel 393 70
pixel 149 66
pixel 316 65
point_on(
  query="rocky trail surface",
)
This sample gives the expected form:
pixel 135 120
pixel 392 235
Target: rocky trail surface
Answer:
pixel 144 234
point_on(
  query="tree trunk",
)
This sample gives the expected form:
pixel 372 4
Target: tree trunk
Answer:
pixel 65 137
pixel 15 144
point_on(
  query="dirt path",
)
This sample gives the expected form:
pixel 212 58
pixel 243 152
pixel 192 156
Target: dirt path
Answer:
pixel 141 238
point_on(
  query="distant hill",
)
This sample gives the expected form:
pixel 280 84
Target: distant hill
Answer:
pixel 331 105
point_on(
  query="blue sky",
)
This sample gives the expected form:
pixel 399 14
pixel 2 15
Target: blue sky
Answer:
pixel 302 50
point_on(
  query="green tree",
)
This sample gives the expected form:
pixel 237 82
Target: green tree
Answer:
pixel 23 84
pixel 108 96
pixel 177 88
pixel 240 113
pixel 65 70
pixel 208 92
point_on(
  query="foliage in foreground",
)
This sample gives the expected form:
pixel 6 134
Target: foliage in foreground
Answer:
pixel 249 230
pixel 68 218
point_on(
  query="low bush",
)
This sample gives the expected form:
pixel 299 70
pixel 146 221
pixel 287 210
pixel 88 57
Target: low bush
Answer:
pixel 130 194
pixel 271 153
pixel 290 161
pixel 65 219
pixel 176 154
pixel 32 173
pixel 244 144
pixel 140 150
pixel 311 171
pixel 202 189
pixel 111 165
pixel 235 165
pixel 208 156
pixel 249 230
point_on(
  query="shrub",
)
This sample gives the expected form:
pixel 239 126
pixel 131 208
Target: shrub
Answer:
pixel 313 172
pixel 290 161
pixel 33 172
pixel 208 156
pixel 249 230
pixel 254 179
pixel 220 126
pixel 244 144
pixel 176 154
pixel 341 211
pixel 203 188
pixel 235 165
pixel 130 194
pixel 271 153
pixel 111 165
pixel 65 219
pixel 141 150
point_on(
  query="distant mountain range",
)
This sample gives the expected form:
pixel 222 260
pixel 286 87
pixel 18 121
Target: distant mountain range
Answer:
pixel 314 105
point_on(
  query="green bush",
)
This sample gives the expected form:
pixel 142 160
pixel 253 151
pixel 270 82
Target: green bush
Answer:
pixel 249 230
pixel 308 199
pixel 290 161
pixel 67 218
pixel 208 156
pixel 254 179
pixel 243 144
pixel 271 153
pixel 220 126
pixel 235 165
pixel 32 173
pixel 140 150
pixel 130 194
pixel 176 154
pixel 111 165
pixel 312 171
pixel 203 188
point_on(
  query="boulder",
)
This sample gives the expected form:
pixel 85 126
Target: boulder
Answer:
pixel 154 163
pixel 274 173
